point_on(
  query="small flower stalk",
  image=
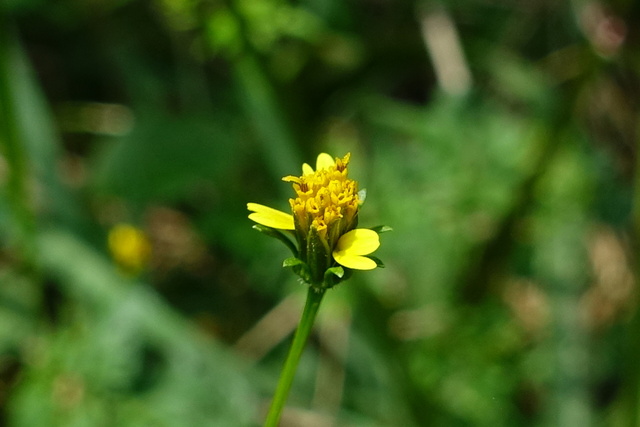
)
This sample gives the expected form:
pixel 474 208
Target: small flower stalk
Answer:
pixel 326 245
pixel 322 233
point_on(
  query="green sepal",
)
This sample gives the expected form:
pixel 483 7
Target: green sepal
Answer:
pixel 272 232
pixel 381 229
pixel 376 260
pixel 299 267
pixel 347 274
pixel 334 271
pixel 332 276
pixel 291 262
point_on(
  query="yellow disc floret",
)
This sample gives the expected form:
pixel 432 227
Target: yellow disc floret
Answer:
pixel 326 199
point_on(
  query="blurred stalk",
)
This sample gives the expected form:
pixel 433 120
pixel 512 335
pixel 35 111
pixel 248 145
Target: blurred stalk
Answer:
pixel 562 262
pixel 13 148
pixel 491 260
pixel 191 79
pixel 632 383
pixel 314 298
pixel 258 96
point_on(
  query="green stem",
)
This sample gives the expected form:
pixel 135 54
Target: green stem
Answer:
pixel 314 297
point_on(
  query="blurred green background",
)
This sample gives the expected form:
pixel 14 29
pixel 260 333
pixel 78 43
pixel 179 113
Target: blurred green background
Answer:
pixel 498 139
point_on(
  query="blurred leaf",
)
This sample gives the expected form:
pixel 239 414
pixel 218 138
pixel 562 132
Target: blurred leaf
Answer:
pixel 194 381
pixel 165 158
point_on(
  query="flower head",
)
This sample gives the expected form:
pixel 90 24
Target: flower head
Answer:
pixel 129 247
pixel 323 221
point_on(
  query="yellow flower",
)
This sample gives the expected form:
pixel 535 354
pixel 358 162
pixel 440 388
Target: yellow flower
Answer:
pixel 129 247
pixel 323 221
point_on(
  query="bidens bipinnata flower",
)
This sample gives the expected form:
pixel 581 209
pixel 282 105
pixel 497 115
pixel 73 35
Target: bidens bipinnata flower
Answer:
pixel 323 222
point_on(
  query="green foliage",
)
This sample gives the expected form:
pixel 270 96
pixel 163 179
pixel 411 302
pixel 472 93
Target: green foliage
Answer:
pixel 507 173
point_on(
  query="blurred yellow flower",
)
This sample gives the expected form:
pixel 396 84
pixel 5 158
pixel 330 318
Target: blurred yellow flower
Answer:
pixel 129 247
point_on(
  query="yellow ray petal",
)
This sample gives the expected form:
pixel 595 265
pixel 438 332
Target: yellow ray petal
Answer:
pixel 306 169
pixel 353 245
pixel 360 241
pixel 355 262
pixel 324 161
pixel 270 217
pixel 291 178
